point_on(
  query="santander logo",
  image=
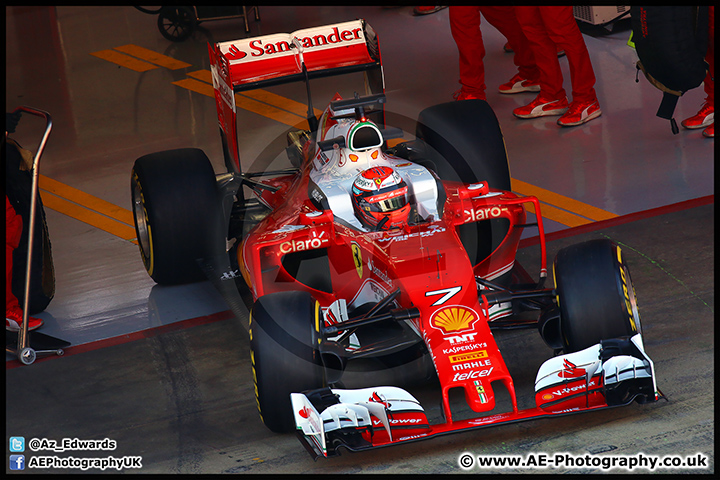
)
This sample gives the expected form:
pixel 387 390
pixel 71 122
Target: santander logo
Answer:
pixel 281 44
pixel 235 54
pixel 304 412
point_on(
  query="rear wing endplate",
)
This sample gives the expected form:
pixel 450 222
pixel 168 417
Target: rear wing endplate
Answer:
pixel 268 60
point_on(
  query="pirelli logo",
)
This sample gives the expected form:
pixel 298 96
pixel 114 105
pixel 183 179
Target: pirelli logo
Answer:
pixel 466 357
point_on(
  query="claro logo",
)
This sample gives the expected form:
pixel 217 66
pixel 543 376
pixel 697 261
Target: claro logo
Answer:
pixel 298 245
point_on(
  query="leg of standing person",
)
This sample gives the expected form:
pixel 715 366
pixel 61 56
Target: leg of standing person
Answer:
pixel 564 32
pixel 705 118
pixel 710 77
pixel 552 99
pixel 13 232
pixel 504 20
pixel 465 29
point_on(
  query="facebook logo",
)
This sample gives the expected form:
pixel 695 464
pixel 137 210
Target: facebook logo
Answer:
pixel 17 444
pixel 17 462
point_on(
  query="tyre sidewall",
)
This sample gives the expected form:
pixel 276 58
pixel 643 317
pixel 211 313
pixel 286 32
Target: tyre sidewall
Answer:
pixel 595 294
pixel 181 207
pixel 284 328
pixel 468 142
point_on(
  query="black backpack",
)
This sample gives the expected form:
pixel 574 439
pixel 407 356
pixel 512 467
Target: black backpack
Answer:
pixel 671 43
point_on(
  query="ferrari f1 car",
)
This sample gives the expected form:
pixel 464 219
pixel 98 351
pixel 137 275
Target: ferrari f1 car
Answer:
pixel 361 250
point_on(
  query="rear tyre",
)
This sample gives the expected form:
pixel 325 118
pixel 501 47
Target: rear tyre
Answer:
pixel 467 138
pixel 595 295
pixel 284 328
pixel 177 214
pixel 467 145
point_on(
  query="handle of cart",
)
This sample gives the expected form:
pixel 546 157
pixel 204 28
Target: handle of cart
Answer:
pixel 177 23
pixel 24 351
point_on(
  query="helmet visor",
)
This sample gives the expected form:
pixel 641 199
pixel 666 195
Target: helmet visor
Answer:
pixel 388 201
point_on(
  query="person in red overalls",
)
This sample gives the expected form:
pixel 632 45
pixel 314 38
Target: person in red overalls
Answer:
pixel 705 118
pixel 465 29
pixel 13 312
pixel 547 29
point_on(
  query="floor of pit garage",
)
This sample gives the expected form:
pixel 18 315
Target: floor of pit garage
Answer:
pixel 183 399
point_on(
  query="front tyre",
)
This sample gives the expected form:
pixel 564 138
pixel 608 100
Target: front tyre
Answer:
pixel 177 214
pixel 595 294
pixel 284 328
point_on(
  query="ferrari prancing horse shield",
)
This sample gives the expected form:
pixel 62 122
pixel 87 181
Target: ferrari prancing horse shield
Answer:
pixel 357 258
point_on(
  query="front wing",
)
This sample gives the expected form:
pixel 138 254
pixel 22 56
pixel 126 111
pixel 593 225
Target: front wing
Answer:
pixel 609 374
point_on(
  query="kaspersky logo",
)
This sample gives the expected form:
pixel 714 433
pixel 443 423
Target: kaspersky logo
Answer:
pixel 456 318
pixel 570 370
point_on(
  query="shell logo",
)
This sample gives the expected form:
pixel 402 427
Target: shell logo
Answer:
pixel 455 318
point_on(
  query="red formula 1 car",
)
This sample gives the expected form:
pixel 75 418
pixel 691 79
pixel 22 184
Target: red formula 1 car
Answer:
pixel 362 251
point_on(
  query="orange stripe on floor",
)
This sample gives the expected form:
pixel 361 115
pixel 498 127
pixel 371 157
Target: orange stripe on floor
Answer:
pixel 262 95
pixel 152 57
pixel 247 103
pixel 86 200
pixel 561 201
pixel 549 212
pixel 90 217
pixel 124 60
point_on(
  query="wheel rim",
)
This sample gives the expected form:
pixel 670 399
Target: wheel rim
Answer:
pixel 141 222
pixel 177 23
pixel 632 300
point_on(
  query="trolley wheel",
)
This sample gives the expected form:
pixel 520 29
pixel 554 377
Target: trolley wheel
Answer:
pixel 176 23
pixel 27 355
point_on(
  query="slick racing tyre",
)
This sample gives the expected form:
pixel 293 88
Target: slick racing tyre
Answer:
pixel 467 145
pixel 177 214
pixel 284 328
pixel 467 136
pixel 595 294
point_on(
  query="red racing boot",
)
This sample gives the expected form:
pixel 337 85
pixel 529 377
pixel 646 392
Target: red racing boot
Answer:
pixel 579 113
pixel 541 107
pixel 13 321
pixel 703 118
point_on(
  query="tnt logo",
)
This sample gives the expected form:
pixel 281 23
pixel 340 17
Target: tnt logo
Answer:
pixel 17 462
pixel 455 339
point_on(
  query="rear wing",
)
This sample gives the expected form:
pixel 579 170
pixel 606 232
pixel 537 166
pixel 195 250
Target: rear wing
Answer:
pixel 268 60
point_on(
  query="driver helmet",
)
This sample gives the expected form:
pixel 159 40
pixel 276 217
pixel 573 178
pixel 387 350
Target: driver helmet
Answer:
pixel 380 198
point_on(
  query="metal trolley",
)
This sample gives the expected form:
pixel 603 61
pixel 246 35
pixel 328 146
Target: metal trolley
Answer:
pixel 178 23
pixel 25 350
